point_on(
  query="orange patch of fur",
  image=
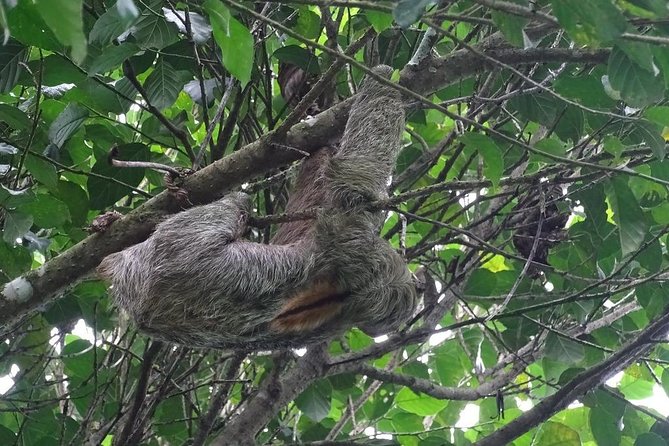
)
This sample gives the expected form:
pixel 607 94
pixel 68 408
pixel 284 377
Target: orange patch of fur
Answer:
pixel 318 308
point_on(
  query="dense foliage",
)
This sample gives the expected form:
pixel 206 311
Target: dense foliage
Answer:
pixel 530 199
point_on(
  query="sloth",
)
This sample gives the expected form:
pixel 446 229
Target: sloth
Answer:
pixel 196 281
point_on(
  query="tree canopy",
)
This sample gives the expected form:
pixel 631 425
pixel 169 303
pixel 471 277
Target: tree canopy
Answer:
pixel 530 200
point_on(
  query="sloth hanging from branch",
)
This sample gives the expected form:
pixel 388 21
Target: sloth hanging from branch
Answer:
pixel 197 282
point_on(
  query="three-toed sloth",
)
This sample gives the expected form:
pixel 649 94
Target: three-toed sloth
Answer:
pixel 197 282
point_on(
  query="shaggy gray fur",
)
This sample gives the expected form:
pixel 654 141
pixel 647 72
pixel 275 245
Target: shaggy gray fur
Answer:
pixel 196 282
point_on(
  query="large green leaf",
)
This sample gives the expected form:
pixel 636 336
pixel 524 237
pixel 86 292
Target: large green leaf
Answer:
pixel 493 162
pixel 42 171
pixel 67 123
pixel 102 191
pixel 423 405
pixel 649 439
pixel 109 26
pixel 511 25
pixel 632 225
pixel 315 400
pixel 112 57
pixel 153 31
pixel 12 54
pixel 46 211
pixel 604 426
pixel 637 86
pixel 562 349
pixel 649 134
pixel 296 55
pixel 164 84
pixel 409 11
pixel 14 117
pixel 27 25
pixel 590 21
pixel 64 17
pixel 234 39
pixel 380 21
pixel 557 434
pixel 15 226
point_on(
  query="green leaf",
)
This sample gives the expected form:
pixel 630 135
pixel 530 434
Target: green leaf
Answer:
pixel 112 57
pixel 315 401
pixel 164 84
pixel 627 213
pixel 14 117
pixel 308 23
pixel 408 12
pixel 40 427
pixel 590 22
pixel 639 53
pixel 12 54
pixel 423 405
pixel 77 356
pixel 109 26
pixel 63 310
pixel 7 436
pixel 28 27
pixel 296 55
pixel 557 434
pixel 42 171
pixel 604 427
pixel 665 381
pixel 586 89
pixel 153 31
pixel 10 198
pixel 571 124
pixel 64 17
pixel 14 261
pixel 562 349
pixel 67 123
pixel 102 191
pixel 449 368
pixel 541 108
pixel 76 200
pixel 16 225
pixel 551 146
pixel 482 282
pixel 234 39
pixel 493 162
pixel 650 257
pixel 637 86
pixel 659 7
pixel 658 114
pixel 649 439
pixel 511 25
pixel 46 211
pixel 379 20
pixel 637 383
pixel 649 134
